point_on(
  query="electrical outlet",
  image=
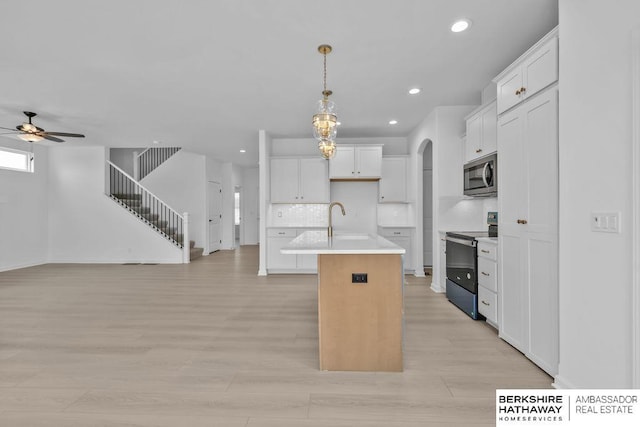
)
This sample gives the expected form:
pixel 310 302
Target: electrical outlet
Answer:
pixel 359 278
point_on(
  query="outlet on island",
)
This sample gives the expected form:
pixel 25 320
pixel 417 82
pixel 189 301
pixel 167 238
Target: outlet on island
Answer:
pixel 358 277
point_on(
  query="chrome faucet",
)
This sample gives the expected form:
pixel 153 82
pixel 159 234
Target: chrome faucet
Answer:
pixel 330 229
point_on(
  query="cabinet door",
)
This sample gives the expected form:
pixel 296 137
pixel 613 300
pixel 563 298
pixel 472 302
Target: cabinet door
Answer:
pixel 507 88
pixel 343 163
pixel 540 140
pixel 442 274
pixel 488 117
pixel 540 233
pixel 284 181
pixel 512 295
pixel 277 260
pixel 404 242
pixel 541 69
pixel 474 138
pixel 314 180
pixel 368 162
pixel 510 172
pixel 393 184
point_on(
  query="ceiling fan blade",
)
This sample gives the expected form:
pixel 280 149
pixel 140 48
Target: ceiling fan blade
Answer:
pixel 7 128
pixel 73 135
pixel 51 138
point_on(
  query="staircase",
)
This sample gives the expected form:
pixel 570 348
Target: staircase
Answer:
pixel 147 161
pixel 139 201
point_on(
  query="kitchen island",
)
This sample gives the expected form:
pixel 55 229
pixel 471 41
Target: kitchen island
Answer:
pixel 360 300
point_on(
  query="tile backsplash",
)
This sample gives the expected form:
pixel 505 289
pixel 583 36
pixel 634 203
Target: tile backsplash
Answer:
pixel 298 215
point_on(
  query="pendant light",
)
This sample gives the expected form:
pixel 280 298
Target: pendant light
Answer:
pixel 325 120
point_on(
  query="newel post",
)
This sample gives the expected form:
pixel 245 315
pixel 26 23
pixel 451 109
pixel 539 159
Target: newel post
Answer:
pixel 186 242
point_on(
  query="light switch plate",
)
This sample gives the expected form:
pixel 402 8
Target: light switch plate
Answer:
pixel 605 222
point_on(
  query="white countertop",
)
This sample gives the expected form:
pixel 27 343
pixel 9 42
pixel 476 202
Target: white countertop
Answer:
pixel 317 242
pixel 493 240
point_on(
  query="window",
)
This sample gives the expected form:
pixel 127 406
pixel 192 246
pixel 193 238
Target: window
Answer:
pixel 16 160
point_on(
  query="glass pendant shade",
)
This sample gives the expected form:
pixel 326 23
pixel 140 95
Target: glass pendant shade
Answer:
pixel 327 148
pixel 325 121
pixel 29 137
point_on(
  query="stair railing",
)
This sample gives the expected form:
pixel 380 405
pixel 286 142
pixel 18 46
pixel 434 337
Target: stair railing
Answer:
pixel 145 205
pixel 150 159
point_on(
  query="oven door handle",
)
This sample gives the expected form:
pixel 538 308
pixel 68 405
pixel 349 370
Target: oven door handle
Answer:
pixel 471 243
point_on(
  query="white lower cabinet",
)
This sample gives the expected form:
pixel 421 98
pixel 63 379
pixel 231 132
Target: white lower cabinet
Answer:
pixel 287 263
pixel 402 237
pixel 488 280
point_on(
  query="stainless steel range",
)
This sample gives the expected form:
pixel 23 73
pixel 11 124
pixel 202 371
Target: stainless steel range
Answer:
pixel 462 266
pixel 462 270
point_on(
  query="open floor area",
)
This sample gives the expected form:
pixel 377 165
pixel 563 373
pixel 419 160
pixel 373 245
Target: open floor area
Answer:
pixel 212 344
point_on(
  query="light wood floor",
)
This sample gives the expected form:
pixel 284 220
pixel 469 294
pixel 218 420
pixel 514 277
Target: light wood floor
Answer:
pixel 211 344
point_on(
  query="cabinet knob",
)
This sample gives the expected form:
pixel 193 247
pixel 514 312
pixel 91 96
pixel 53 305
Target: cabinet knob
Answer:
pixel 353 172
pixel 518 92
pixel 358 172
pixel 382 197
pixel 484 251
pixel 523 89
pixel 302 197
pixel 522 221
pixel 485 274
pixel 479 150
pixel 485 303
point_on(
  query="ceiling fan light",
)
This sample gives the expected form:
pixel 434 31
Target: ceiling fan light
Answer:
pixel 30 137
pixel 28 127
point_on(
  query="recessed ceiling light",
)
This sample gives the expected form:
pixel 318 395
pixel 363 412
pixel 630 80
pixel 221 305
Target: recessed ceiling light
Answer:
pixel 393 122
pixel 414 90
pixel 243 151
pixel 460 25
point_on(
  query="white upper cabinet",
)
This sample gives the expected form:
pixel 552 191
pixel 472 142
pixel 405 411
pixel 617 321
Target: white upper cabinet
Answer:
pixel 532 72
pixel 393 184
pixel 481 132
pixel 304 180
pixel 356 162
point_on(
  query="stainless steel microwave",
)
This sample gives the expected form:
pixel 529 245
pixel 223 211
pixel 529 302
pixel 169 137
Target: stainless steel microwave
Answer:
pixel 481 177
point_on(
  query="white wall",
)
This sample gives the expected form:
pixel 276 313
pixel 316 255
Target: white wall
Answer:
pixel 86 226
pixel 360 203
pixel 249 206
pixel 23 211
pixel 264 153
pixel 595 175
pixel 443 127
pixel 309 146
pixel 123 158
pixel 181 183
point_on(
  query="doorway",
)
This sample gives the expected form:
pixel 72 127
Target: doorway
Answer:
pixel 215 216
pixel 237 217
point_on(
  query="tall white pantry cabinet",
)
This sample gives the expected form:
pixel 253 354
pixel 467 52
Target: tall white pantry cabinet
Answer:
pixel 528 204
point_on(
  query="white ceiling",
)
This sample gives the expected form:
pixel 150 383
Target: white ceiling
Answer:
pixel 206 75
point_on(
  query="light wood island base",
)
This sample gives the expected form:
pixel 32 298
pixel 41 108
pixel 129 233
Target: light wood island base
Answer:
pixel 360 324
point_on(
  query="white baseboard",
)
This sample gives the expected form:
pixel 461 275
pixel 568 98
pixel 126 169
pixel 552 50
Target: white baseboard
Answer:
pixel 19 266
pixel 437 289
pixel 561 383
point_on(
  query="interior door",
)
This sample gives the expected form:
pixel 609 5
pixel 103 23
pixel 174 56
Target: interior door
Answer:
pixel 215 216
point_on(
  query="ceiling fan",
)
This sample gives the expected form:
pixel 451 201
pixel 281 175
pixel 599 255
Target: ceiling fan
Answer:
pixel 29 132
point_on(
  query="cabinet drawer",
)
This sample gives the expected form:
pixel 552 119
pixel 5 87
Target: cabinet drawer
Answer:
pixel 487 250
pixel 488 304
pixel 396 232
pixel 281 232
pixel 488 274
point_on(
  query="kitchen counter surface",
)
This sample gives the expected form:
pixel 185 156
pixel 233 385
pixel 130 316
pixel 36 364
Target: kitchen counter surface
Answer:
pixel 317 242
pixel 493 240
